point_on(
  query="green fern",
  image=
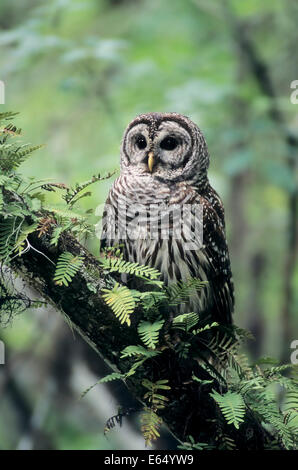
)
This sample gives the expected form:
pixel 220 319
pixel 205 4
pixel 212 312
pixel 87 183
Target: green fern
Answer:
pixel 149 332
pixel 72 195
pixel 1 200
pixel 205 328
pixel 192 445
pixel 121 302
pixel 25 231
pixel 130 351
pixel 153 395
pixel 6 241
pixel 66 268
pixel 121 266
pixel 117 419
pixel 225 441
pixel 7 115
pixel 13 154
pixel 201 381
pixel 223 348
pixel 232 407
pixel 151 422
pixel 63 212
pixel 186 321
pixel 9 232
pixel 278 421
pixel 150 425
pixel 181 291
pixel 107 378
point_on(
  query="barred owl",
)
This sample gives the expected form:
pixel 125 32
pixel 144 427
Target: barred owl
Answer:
pixel 164 163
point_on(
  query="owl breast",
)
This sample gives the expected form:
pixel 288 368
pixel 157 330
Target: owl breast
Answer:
pixel 161 227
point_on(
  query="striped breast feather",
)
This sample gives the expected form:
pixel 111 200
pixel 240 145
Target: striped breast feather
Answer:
pixel 173 258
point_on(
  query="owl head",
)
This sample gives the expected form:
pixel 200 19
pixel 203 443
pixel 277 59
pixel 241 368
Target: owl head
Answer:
pixel 168 147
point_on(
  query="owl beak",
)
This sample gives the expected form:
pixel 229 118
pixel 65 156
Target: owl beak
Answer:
pixel 150 161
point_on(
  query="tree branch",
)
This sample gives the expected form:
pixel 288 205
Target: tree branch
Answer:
pixel 97 324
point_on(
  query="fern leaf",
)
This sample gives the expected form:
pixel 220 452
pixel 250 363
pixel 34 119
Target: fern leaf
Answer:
pixel 232 406
pixel 64 212
pixel 181 291
pixel 121 266
pixel 12 155
pixel 206 327
pixel 150 424
pixel 130 351
pixel 73 192
pixel 186 321
pixel 67 267
pixel 149 332
pixel 7 115
pixel 7 238
pixel 121 302
pixel 107 378
pixel 117 419
pixel 25 231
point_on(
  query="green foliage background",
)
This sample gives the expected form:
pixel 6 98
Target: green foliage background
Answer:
pixel 79 71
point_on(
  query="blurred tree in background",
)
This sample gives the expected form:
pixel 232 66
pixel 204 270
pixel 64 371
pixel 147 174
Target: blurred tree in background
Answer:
pixel 79 71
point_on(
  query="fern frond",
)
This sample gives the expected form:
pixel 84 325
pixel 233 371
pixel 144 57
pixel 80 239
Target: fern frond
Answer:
pixel 66 268
pixel 138 363
pixel 64 212
pixel 205 328
pixel 149 332
pixel 270 414
pixel 121 302
pixel 25 231
pixel 151 422
pixel 73 192
pixel 232 406
pixel 107 378
pixel 51 187
pixel 1 200
pixel 4 180
pixel 181 291
pixel 224 350
pixel 150 425
pixel 117 419
pixel 9 231
pixel 7 115
pixel 186 321
pixel 130 351
pixel 226 442
pixel 192 445
pixel 153 395
pixel 44 225
pixel 121 266
pixel 201 381
pixel 12 155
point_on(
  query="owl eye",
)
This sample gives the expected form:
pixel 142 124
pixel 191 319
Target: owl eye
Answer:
pixel 169 143
pixel 141 142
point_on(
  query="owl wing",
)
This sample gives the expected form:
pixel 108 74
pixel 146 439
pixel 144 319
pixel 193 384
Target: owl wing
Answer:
pixel 104 238
pixel 216 259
